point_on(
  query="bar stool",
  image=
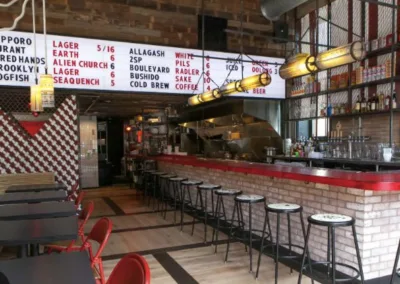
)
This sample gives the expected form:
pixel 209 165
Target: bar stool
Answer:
pixel 396 261
pixel 156 187
pixel 175 182
pixel 287 209
pixel 166 195
pixel 246 235
pixel 332 221
pixel 220 193
pixel 204 212
pixel 185 187
pixel 147 182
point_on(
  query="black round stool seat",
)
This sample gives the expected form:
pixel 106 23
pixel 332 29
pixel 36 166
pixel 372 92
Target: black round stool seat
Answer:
pixel 228 192
pixel 250 198
pixel 206 186
pixel 192 182
pixel 167 176
pixel 283 208
pixel 331 220
pixel 177 179
pixel 149 171
pixel 159 173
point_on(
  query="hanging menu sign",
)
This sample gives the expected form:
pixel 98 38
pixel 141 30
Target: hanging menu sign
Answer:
pixel 89 64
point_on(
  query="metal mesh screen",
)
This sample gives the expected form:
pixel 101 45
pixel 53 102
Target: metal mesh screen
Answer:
pixel 17 101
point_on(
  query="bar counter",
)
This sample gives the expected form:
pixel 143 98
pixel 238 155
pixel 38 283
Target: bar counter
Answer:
pixel 361 180
pixel 372 198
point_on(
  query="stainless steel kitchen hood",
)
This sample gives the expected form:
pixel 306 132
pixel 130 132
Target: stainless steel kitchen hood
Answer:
pixel 239 127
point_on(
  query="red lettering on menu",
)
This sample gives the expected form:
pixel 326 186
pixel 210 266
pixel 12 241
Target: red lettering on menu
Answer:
pixel 259 91
pixel 182 64
pixel 66 45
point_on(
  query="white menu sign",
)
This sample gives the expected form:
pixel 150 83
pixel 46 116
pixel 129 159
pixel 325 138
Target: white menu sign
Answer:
pixel 80 63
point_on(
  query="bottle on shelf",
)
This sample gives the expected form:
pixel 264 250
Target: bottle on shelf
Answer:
pixel 373 103
pixel 381 101
pixel 394 100
pixel 358 104
pixel 363 105
pixel 329 108
pixel 369 102
pixel 387 102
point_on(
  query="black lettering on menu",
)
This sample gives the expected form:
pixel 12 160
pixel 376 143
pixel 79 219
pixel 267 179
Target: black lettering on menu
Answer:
pixel 144 75
pixel 15 65
pixel 232 64
pixel 67 65
pixel 184 72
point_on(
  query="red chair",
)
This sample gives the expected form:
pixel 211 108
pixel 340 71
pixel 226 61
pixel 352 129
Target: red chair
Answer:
pixel 131 269
pixel 79 199
pixel 100 233
pixel 82 219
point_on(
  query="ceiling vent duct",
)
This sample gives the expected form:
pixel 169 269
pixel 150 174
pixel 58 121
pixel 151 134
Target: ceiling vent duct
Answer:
pixel 274 9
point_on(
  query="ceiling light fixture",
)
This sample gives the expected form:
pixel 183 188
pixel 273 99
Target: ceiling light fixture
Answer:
pixel 298 65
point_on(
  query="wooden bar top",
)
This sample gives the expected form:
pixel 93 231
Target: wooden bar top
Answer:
pixel 383 181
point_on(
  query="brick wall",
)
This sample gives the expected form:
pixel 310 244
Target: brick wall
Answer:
pixel 162 22
pixel 376 126
pixel 377 224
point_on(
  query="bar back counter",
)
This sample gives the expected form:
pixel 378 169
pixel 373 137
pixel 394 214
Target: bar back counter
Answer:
pixel 373 199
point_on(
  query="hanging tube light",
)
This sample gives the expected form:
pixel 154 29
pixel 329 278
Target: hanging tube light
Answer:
pixel 246 84
pixel 299 65
pixel 46 83
pixel 256 81
pixel 341 55
pixel 204 97
pixel 36 99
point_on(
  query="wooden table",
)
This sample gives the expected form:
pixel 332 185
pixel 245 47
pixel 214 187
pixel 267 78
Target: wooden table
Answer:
pixel 38 231
pixel 36 187
pixel 65 268
pixel 37 210
pixel 33 197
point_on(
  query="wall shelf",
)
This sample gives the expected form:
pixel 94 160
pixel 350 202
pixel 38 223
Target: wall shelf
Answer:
pixel 348 88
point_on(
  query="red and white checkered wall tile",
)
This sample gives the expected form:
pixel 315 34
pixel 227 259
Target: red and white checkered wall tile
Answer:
pixel 53 149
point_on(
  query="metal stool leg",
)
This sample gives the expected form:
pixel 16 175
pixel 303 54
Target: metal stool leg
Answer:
pixel 278 223
pixel 176 188
pixel 396 261
pixel 241 223
pixel 359 256
pixel 195 212
pixel 251 237
pixel 231 230
pixel 205 217
pixel 215 230
pixel 328 254
pixel 333 255
pixel 290 238
pixel 262 244
pixel 183 194
pixel 303 228
pixel 304 253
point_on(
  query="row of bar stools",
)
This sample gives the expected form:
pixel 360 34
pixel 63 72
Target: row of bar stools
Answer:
pixel 279 209
pixel 185 187
pixel 220 212
pixel 246 235
pixel 176 184
pixel 332 221
pixel 202 212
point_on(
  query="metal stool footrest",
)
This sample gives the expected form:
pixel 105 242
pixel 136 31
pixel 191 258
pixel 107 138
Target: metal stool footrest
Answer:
pixel 325 263
pixel 273 246
pixel 245 235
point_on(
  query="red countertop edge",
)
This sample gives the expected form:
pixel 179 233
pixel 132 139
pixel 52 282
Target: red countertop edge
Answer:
pixel 364 181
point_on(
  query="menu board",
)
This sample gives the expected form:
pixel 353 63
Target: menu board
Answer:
pixel 90 64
